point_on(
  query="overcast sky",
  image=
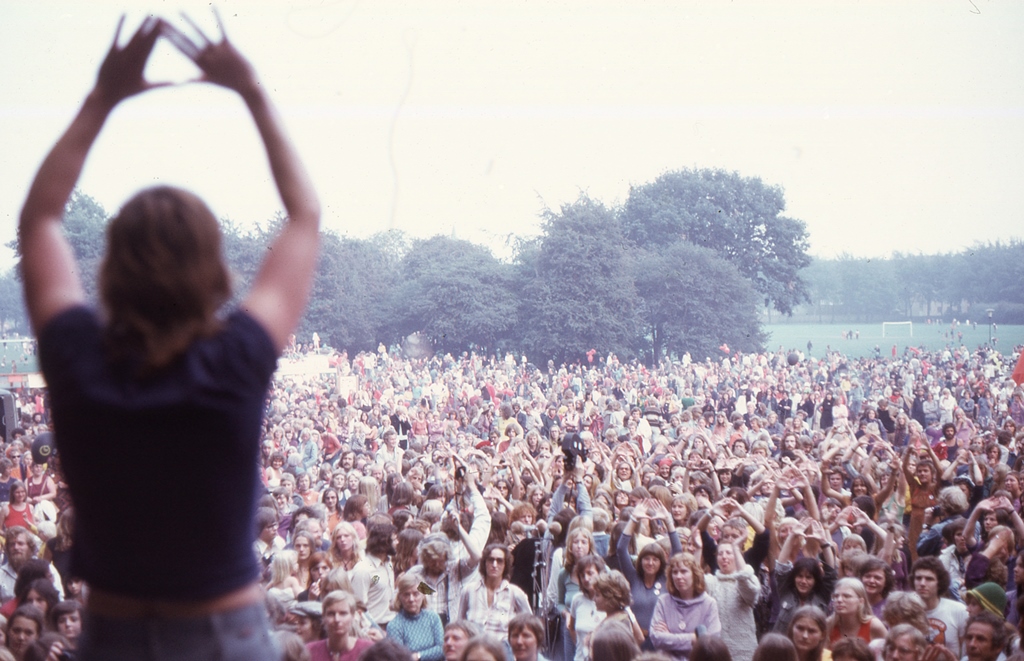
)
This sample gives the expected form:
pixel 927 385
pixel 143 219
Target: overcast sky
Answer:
pixel 890 125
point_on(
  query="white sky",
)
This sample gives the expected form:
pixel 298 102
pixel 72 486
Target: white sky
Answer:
pixel 890 125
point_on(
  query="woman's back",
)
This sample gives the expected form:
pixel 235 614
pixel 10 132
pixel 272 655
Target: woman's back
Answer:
pixel 178 450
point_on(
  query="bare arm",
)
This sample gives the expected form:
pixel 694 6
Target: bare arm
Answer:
pixel 794 542
pixel 826 489
pixel 906 463
pixel 769 508
pixel 972 521
pixel 281 288
pixel 950 472
pixel 48 265
pixel 811 503
pixel 890 484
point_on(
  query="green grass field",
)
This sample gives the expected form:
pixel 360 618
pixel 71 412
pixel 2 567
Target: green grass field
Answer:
pixel 928 337
pixel 14 360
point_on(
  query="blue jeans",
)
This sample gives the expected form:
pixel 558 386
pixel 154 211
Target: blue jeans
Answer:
pixel 242 635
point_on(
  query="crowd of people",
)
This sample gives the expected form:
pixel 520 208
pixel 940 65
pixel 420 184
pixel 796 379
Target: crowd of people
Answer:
pixel 471 508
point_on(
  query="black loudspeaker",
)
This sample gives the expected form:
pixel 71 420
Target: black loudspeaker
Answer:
pixel 8 416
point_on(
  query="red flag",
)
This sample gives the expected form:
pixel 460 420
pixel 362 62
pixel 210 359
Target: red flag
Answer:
pixel 724 347
pixel 1018 371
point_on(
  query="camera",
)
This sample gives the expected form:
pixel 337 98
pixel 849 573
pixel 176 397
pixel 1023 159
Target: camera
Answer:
pixel 572 447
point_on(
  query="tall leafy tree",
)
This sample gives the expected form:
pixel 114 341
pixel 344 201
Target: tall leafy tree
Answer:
pixel 740 218
pixel 85 222
pixel 349 304
pixel 455 293
pixel 578 291
pixel 694 301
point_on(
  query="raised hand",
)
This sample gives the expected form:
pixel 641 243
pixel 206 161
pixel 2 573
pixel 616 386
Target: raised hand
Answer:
pixel 988 505
pixel 658 510
pixel 816 532
pixel 221 63
pixel 1002 502
pixel 121 74
pixel 851 516
pixel 731 506
pixel 793 478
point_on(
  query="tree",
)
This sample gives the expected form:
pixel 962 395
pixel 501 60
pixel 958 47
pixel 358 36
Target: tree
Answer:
pixel 693 300
pixel 349 304
pixel 455 293
pixel 85 222
pixel 823 288
pixel 577 290
pixel 740 218
pixel 867 288
pixel 244 250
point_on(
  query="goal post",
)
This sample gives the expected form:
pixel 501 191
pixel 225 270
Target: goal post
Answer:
pixel 894 327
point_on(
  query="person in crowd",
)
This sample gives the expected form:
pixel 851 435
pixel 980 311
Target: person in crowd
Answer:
pixel 442 570
pixel 946 618
pixel 17 512
pixel 904 641
pixel 684 609
pixel 807 581
pixel 419 630
pixel 345 551
pixel 283 585
pixel 66 619
pixel 307 617
pixel 319 567
pixel 492 601
pixel 339 609
pixel 614 644
pixel 852 616
pixel 373 578
pixel 386 650
pixel 21 547
pixel 878 579
pixel 456 635
pixel 851 649
pixel 23 629
pixel 710 648
pixel 646 576
pixel 775 647
pixel 612 597
pixel 735 589
pixel 525 637
pixel 808 629
pixel 484 648
pixel 985 638
pixel 584 614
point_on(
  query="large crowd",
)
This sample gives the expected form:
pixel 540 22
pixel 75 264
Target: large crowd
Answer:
pixel 473 508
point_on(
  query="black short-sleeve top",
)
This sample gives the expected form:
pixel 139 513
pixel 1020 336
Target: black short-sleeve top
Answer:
pixel 163 470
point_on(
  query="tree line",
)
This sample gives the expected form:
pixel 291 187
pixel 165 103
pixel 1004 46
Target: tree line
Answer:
pixel 690 262
pixel 960 285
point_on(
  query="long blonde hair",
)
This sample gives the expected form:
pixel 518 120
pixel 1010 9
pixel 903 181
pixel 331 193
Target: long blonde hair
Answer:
pixel 369 488
pixel 357 552
pixel 570 558
pixel 865 614
pixel 281 566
